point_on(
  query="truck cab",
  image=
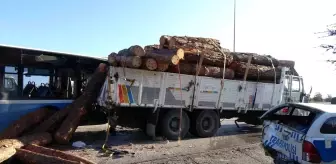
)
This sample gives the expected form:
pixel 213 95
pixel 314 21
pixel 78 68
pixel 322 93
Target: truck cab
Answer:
pixel 293 89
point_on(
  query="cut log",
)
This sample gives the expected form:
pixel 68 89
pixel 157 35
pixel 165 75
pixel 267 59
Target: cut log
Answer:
pixel 165 55
pixel 162 67
pixel 26 122
pixel 149 64
pixel 192 42
pixel 151 47
pixel 217 72
pixel 8 146
pixel 136 50
pixel 256 72
pixel 129 61
pixel 211 58
pixel 27 156
pixel 185 68
pixel 56 153
pixel 80 106
pixel 265 60
pixel 112 59
pixel 287 63
pixel 164 41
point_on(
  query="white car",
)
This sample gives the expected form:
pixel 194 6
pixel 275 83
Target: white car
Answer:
pixel 300 133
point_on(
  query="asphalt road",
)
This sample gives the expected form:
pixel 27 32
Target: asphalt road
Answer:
pixel 230 145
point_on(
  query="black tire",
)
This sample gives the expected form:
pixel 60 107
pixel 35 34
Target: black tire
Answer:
pixel 170 124
pixel 204 123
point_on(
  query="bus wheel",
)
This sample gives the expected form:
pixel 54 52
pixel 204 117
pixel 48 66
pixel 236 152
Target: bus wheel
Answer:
pixel 170 124
pixel 204 123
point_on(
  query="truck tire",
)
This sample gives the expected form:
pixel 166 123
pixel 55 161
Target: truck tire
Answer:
pixel 204 123
pixel 170 124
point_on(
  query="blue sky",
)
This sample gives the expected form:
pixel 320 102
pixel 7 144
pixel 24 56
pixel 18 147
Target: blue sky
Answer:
pixel 284 29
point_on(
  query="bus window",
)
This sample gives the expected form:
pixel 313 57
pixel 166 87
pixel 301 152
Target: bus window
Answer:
pixel 9 82
pixel 36 83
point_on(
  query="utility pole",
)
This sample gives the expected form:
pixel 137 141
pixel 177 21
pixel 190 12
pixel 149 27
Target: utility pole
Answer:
pixel 234 26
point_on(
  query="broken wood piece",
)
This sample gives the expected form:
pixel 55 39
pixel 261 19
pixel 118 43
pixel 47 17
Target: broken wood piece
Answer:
pixel 8 146
pixel 27 156
pixel 56 153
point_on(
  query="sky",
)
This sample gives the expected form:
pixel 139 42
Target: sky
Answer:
pixel 281 28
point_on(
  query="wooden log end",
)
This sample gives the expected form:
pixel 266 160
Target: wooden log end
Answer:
pixel 175 60
pixel 136 62
pixel 136 50
pixel 150 64
pixel 162 67
pixel 180 53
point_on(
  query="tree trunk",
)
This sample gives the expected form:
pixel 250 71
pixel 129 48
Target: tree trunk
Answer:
pixel 25 122
pixel 81 105
pixel 129 61
pixel 164 41
pixel 149 64
pixel 112 59
pixel 56 153
pixel 192 42
pixel 256 72
pixel 217 72
pixel 27 156
pixel 8 146
pixel 166 56
pixel 256 59
pixel 211 58
pixel 186 68
pixel 162 67
pixel 287 63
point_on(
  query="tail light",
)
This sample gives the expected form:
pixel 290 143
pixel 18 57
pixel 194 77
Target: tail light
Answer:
pixel 310 153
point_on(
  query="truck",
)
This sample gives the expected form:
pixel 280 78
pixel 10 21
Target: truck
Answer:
pixel 173 104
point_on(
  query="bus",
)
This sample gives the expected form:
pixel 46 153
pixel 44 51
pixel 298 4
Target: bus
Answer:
pixel 33 78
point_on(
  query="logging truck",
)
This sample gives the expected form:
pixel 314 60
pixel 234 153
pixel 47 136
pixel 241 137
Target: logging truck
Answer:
pixel 162 102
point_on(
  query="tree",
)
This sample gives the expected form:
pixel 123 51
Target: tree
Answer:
pixel 331 47
pixel 318 97
pixel 328 98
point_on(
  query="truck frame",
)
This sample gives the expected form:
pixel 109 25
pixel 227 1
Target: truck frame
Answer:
pixel 157 101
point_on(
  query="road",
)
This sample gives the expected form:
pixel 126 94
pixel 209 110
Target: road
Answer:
pixel 230 145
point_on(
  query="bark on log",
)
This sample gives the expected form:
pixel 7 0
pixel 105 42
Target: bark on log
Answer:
pixel 25 122
pixel 136 50
pixel 192 42
pixel 151 47
pixel 186 68
pixel 129 61
pixel 8 146
pixel 164 41
pixel 217 72
pixel 165 55
pixel 80 106
pixel 211 58
pixel 112 59
pixel 149 64
pixel 56 153
pixel 27 156
pixel 287 63
pixel 162 67
pixel 256 59
pixel 266 73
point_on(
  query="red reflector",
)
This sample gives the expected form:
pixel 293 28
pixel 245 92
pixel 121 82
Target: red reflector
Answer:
pixel 285 110
pixel 309 153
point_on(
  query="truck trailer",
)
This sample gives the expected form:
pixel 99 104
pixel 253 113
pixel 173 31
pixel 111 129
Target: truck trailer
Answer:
pixel 173 104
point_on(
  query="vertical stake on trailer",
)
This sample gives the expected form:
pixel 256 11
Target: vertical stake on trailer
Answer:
pixel 108 110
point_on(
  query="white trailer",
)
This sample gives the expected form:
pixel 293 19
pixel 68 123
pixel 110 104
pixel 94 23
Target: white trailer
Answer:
pixel 152 100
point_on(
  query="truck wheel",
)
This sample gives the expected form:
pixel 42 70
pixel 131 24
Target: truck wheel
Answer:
pixel 170 124
pixel 205 123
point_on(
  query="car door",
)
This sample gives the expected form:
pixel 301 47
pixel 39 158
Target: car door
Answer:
pixel 284 140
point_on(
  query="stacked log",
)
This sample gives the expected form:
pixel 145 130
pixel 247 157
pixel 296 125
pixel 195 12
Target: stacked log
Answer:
pixel 186 55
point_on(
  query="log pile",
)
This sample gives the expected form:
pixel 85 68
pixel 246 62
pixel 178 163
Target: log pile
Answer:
pixel 183 54
pixel 24 138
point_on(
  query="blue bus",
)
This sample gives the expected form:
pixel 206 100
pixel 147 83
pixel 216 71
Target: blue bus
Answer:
pixel 33 78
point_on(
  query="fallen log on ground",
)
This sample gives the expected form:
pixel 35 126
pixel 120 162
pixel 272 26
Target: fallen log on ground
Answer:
pixel 256 72
pixel 27 156
pixel 8 146
pixel 265 60
pixel 56 153
pixel 25 122
pixel 81 105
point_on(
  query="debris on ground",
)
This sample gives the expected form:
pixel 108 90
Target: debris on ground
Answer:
pixel 78 144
